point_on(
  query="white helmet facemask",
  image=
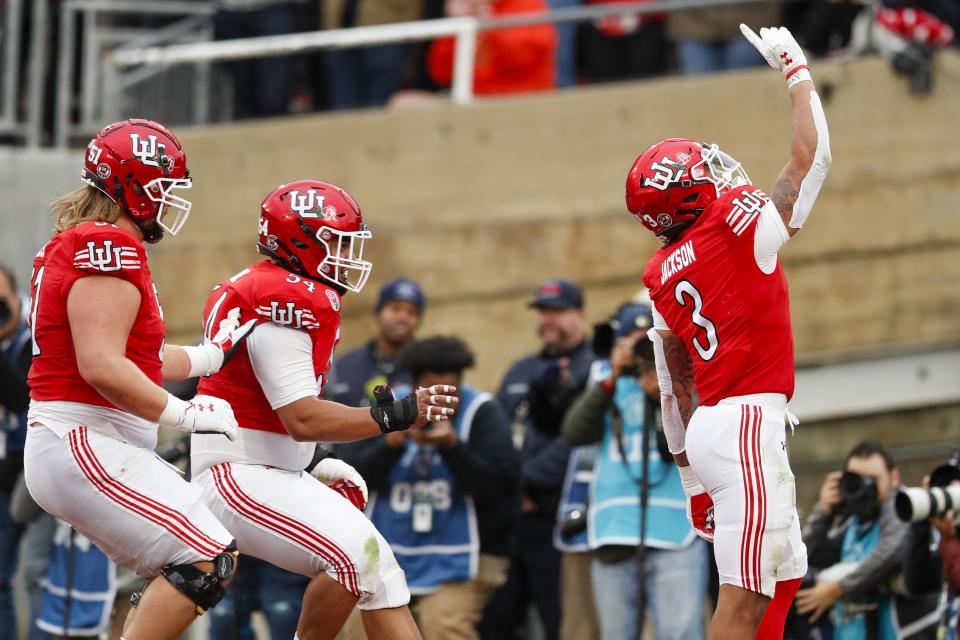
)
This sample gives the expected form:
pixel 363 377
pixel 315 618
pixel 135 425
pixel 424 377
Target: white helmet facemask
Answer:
pixel 721 169
pixel 174 210
pixel 344 264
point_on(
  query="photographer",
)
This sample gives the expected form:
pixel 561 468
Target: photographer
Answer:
pixel 854 524
pixel 447 495
pixel 536 392
pixel 932 564
pixel 622 396
pixel 15 357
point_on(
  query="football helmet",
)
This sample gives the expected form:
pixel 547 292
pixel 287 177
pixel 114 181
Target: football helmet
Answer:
pixel 315 229
pixel 138 164
pixel 672 182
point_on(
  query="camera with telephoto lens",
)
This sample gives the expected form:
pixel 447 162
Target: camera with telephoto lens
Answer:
pixel 859 495
pixel 5 312
pixel 629 317
pixel 914 504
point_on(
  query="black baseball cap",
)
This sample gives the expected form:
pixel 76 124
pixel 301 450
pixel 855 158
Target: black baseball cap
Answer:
pixel 558 294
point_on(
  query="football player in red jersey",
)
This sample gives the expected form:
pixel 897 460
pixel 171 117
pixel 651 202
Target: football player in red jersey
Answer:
pixel 722 329
pixel 312 234
pixel 98 360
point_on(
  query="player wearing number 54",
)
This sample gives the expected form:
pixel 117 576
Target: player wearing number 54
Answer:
pixel 445 496
pixel 721 328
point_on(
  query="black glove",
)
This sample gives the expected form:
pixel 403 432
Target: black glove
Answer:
pixel 390 414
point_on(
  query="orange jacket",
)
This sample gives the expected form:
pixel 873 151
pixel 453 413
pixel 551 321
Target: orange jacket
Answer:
pixel 508 60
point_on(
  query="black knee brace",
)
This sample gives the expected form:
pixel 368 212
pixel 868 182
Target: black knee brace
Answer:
pixel 204 589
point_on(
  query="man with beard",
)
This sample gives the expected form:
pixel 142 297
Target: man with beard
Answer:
pixel 536 392
pixel 357 373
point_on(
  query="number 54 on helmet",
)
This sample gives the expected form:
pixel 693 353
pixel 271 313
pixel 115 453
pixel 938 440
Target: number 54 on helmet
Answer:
pixel 315 229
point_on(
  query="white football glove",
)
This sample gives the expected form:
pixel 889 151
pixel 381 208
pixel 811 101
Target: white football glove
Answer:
pixel 343 479
pixel 781 51
pixel 209 357
pixel 203 414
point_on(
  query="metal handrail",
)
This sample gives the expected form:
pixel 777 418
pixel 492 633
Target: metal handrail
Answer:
pixel 463 28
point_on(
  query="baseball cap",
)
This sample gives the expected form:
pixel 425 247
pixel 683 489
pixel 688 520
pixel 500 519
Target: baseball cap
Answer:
pixel 629 317
pixel 558 294
pixel 401 289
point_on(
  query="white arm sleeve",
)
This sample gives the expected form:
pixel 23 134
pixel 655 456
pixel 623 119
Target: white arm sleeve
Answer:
pixel 658 321
pixel 811 183
pixel 282 360
pixel 673 427
pixel 769 235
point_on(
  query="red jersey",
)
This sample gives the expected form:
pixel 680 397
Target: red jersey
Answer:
pixel 89 249
pixel 733 318
pixel 271 294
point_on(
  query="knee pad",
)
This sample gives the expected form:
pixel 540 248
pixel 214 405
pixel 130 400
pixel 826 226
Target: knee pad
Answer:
pixel 205 589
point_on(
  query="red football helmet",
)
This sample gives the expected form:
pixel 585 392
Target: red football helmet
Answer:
pixel 138 164
pixel 315 228
pixel 672 182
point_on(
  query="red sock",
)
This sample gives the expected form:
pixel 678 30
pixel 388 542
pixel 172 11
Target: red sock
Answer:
pixel 774 618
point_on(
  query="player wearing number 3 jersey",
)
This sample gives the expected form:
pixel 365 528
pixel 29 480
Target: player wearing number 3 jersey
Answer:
pixel 722 330
pixel 263 485
pixel 99 358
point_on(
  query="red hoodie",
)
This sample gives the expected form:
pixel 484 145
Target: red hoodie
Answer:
pixel 511 60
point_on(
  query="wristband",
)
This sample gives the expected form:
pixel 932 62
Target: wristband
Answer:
pixel 798 74
pixel 689 480
pixel 199 359
pixel 393 415
pixel 172 414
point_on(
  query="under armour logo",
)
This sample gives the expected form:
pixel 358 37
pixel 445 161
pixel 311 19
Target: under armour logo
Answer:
pixel 203 407
pixel 786 58
pixel 783 444
pixel 287 315
pixel 105 258
pixel 147 150
pixel 308 205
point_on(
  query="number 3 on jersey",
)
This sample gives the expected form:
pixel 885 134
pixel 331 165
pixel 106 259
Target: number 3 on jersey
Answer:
pixel 684 292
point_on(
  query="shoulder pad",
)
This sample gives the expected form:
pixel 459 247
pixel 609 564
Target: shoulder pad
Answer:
pixel 106 248
pixel 289 300
pixel 741 207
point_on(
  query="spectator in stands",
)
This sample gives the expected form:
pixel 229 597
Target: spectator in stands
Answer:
pixel 623 47
pixel 623 394
pixel 709 39
pixel 261 86
pixel 566 45
pixel 447 495
pixel 399 311
pixel 855 534
pixel 366 76
pixel 514 60
pixel 15 357
pixel 536 392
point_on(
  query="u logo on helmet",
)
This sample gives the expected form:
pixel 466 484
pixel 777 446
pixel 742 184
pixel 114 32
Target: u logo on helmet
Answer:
pixel 666 173
pixel 147 150
pixel 309 205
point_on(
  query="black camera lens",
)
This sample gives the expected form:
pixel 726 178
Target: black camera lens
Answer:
pixel 5 312
pixel 859 494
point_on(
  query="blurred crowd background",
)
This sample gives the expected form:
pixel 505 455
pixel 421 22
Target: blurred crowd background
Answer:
pixel 505 262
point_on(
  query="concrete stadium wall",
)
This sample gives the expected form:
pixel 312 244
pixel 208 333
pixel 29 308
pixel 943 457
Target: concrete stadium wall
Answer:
pixel 481 203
